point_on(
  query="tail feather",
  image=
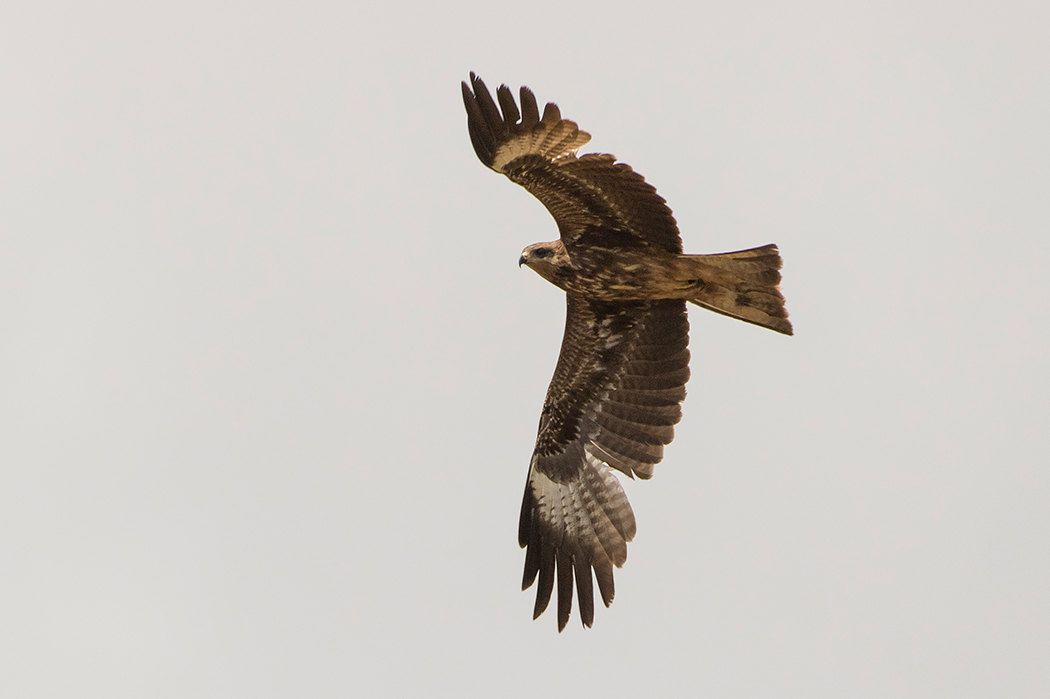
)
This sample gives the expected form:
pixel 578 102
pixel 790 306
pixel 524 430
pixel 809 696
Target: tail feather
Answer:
pixel 740 285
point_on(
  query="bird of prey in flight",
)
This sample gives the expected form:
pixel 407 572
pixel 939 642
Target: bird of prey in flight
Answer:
pixel 620 380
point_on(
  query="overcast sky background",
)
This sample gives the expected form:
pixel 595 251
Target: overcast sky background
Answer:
pixel 272 375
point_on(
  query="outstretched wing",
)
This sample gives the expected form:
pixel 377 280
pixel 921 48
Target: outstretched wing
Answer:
pixel 591 197
pixel 612 404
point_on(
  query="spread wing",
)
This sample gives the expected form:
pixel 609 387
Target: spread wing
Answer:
pixel 592 198
pixel 612 404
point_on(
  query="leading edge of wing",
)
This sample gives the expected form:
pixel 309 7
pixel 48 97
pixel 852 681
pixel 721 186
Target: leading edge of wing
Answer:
pixel 500 139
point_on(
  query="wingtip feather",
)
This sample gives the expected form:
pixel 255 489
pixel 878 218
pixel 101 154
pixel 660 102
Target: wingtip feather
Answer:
pixel 564 588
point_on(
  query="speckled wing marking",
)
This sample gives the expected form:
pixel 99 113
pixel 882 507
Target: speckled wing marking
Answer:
pixel 612 404
pixel 586 194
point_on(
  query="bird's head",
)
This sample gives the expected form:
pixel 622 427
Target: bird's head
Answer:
pixel 544 258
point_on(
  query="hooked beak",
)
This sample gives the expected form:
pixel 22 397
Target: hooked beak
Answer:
pixel 521 261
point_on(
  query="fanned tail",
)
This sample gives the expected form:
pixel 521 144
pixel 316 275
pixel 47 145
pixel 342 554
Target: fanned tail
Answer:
pixel 740 285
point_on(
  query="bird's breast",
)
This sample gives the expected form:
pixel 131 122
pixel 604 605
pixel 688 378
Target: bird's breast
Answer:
pixel 615 275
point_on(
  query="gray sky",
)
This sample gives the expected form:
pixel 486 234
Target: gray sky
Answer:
pixel 273 375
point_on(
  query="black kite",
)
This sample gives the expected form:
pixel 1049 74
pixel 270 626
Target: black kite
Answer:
pixel 617 390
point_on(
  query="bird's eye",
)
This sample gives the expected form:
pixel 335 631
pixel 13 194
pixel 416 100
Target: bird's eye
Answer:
pixel 542 253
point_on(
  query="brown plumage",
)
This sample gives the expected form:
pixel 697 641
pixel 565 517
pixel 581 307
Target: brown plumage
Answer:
pixel 617 390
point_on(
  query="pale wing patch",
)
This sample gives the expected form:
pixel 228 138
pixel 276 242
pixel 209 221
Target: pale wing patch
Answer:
pixel 589 516
pixel 551 141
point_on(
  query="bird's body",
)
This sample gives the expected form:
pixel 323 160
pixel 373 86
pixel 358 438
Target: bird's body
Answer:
pixel 639 274
pixel 620 380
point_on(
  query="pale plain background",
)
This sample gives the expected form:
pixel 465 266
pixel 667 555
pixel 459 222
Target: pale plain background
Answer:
pixel 271 375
